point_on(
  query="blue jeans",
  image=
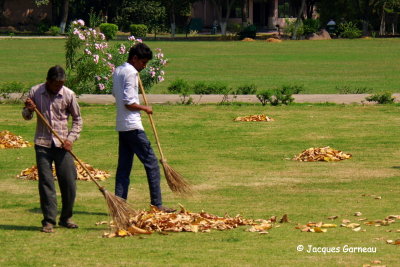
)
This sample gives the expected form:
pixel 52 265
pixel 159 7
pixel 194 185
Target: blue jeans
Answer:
pixel 131 143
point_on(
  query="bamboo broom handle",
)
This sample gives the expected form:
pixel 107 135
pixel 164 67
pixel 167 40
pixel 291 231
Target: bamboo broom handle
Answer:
pixel 151 119
pixel 62 142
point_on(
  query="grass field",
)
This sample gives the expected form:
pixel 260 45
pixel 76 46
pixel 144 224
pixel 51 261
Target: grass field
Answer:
pixel 236 168
pixel 318 66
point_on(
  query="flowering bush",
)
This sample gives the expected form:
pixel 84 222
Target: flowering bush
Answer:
pixel 91 61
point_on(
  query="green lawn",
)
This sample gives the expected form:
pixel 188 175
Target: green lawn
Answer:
pixel 319 66
pixel 236 168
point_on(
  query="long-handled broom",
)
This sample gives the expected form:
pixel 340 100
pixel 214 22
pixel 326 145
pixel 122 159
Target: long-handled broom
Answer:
pixel 175 180
pixel 118 208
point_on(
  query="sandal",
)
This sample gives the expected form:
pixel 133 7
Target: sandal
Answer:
pixel 69 225
pixel 47 228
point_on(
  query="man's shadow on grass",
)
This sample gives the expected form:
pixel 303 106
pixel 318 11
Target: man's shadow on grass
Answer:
pixel 39 210
pixel 19 227
pixel 396 167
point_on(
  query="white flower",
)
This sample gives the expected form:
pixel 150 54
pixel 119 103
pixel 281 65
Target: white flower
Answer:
pixel 101 86
pixel 80 22
pixel 96 58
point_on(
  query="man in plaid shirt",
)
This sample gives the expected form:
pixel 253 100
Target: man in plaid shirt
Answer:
pixel 56 102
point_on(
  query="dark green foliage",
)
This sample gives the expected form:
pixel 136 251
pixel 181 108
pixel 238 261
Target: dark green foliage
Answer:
pixel 349 30
pixel 250 89
pixel 279 96
pixel 181 87
pixel 202 88
pixel 150 13
pixel 138 30
pixel 8 88
pixel 356 90
pixel 42 27
pixel 248 32
pixel 381 98
pixel 54 30
pixel 95 19
pixel 109 30
pixel 311 26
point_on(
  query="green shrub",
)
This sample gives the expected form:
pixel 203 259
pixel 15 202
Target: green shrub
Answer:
pixel 381 98
pixel 109 30
pixel 248 32
pixel 202 88
pixel 7 88
pixel 349 30
pixel 311 26
pixel 234 28
pixel 279 96
pixel 138 30
pixel 54 30
pixel 346 89
pixel 42 27
pixel 181 87
pixel 250 89
pixel 291 26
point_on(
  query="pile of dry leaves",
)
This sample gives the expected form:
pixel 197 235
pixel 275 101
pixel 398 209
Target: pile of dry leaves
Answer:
pixel 32 173
pixel 154 220
pixel 254 118
pixel 10 140
pixel 322 154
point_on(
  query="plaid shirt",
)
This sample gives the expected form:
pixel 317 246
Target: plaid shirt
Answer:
pixel 56 109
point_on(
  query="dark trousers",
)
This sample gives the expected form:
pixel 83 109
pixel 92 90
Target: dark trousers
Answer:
pixel 136 143
pixel 66 175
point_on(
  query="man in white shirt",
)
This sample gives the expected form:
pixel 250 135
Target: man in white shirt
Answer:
pixel 132 138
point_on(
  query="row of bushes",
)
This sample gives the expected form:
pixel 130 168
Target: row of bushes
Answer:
pixel 275 97
pixel 108 29
pixel 348 30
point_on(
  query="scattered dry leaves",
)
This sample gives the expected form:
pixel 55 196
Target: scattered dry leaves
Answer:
pixel 32 173
pixel 10 140
pixel 322 154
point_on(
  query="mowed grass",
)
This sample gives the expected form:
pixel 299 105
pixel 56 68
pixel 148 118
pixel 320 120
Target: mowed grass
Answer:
pixel 236 168
pixel 318 66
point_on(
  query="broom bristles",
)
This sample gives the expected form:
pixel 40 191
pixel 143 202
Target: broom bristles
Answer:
pixel 118 209
pixel 175 180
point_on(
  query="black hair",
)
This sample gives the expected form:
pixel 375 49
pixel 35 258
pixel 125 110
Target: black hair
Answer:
pixel 140 50
pixel 56 73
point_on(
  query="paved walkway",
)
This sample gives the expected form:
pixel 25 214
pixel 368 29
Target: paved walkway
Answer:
pixel 198 99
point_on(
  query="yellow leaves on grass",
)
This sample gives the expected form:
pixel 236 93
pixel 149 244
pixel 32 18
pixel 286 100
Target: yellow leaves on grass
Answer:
pixel 322 154
pixel 261 117
pixel 314 227
pixel 10 140
pixel 32 173
pixel 154 220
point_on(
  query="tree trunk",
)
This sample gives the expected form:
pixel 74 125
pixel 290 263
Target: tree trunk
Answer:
pixel 298 20
pixel 64 16
pixel 244 13
pixel 382 28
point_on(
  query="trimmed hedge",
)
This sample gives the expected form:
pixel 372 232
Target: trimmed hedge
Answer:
pixel 138 30
pixel 109 30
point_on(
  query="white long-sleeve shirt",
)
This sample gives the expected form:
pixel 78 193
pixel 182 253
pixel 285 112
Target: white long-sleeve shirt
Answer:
pixel 126 92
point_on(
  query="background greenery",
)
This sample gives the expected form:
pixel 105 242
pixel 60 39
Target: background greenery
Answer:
pixel 235 168
pixel 319 66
